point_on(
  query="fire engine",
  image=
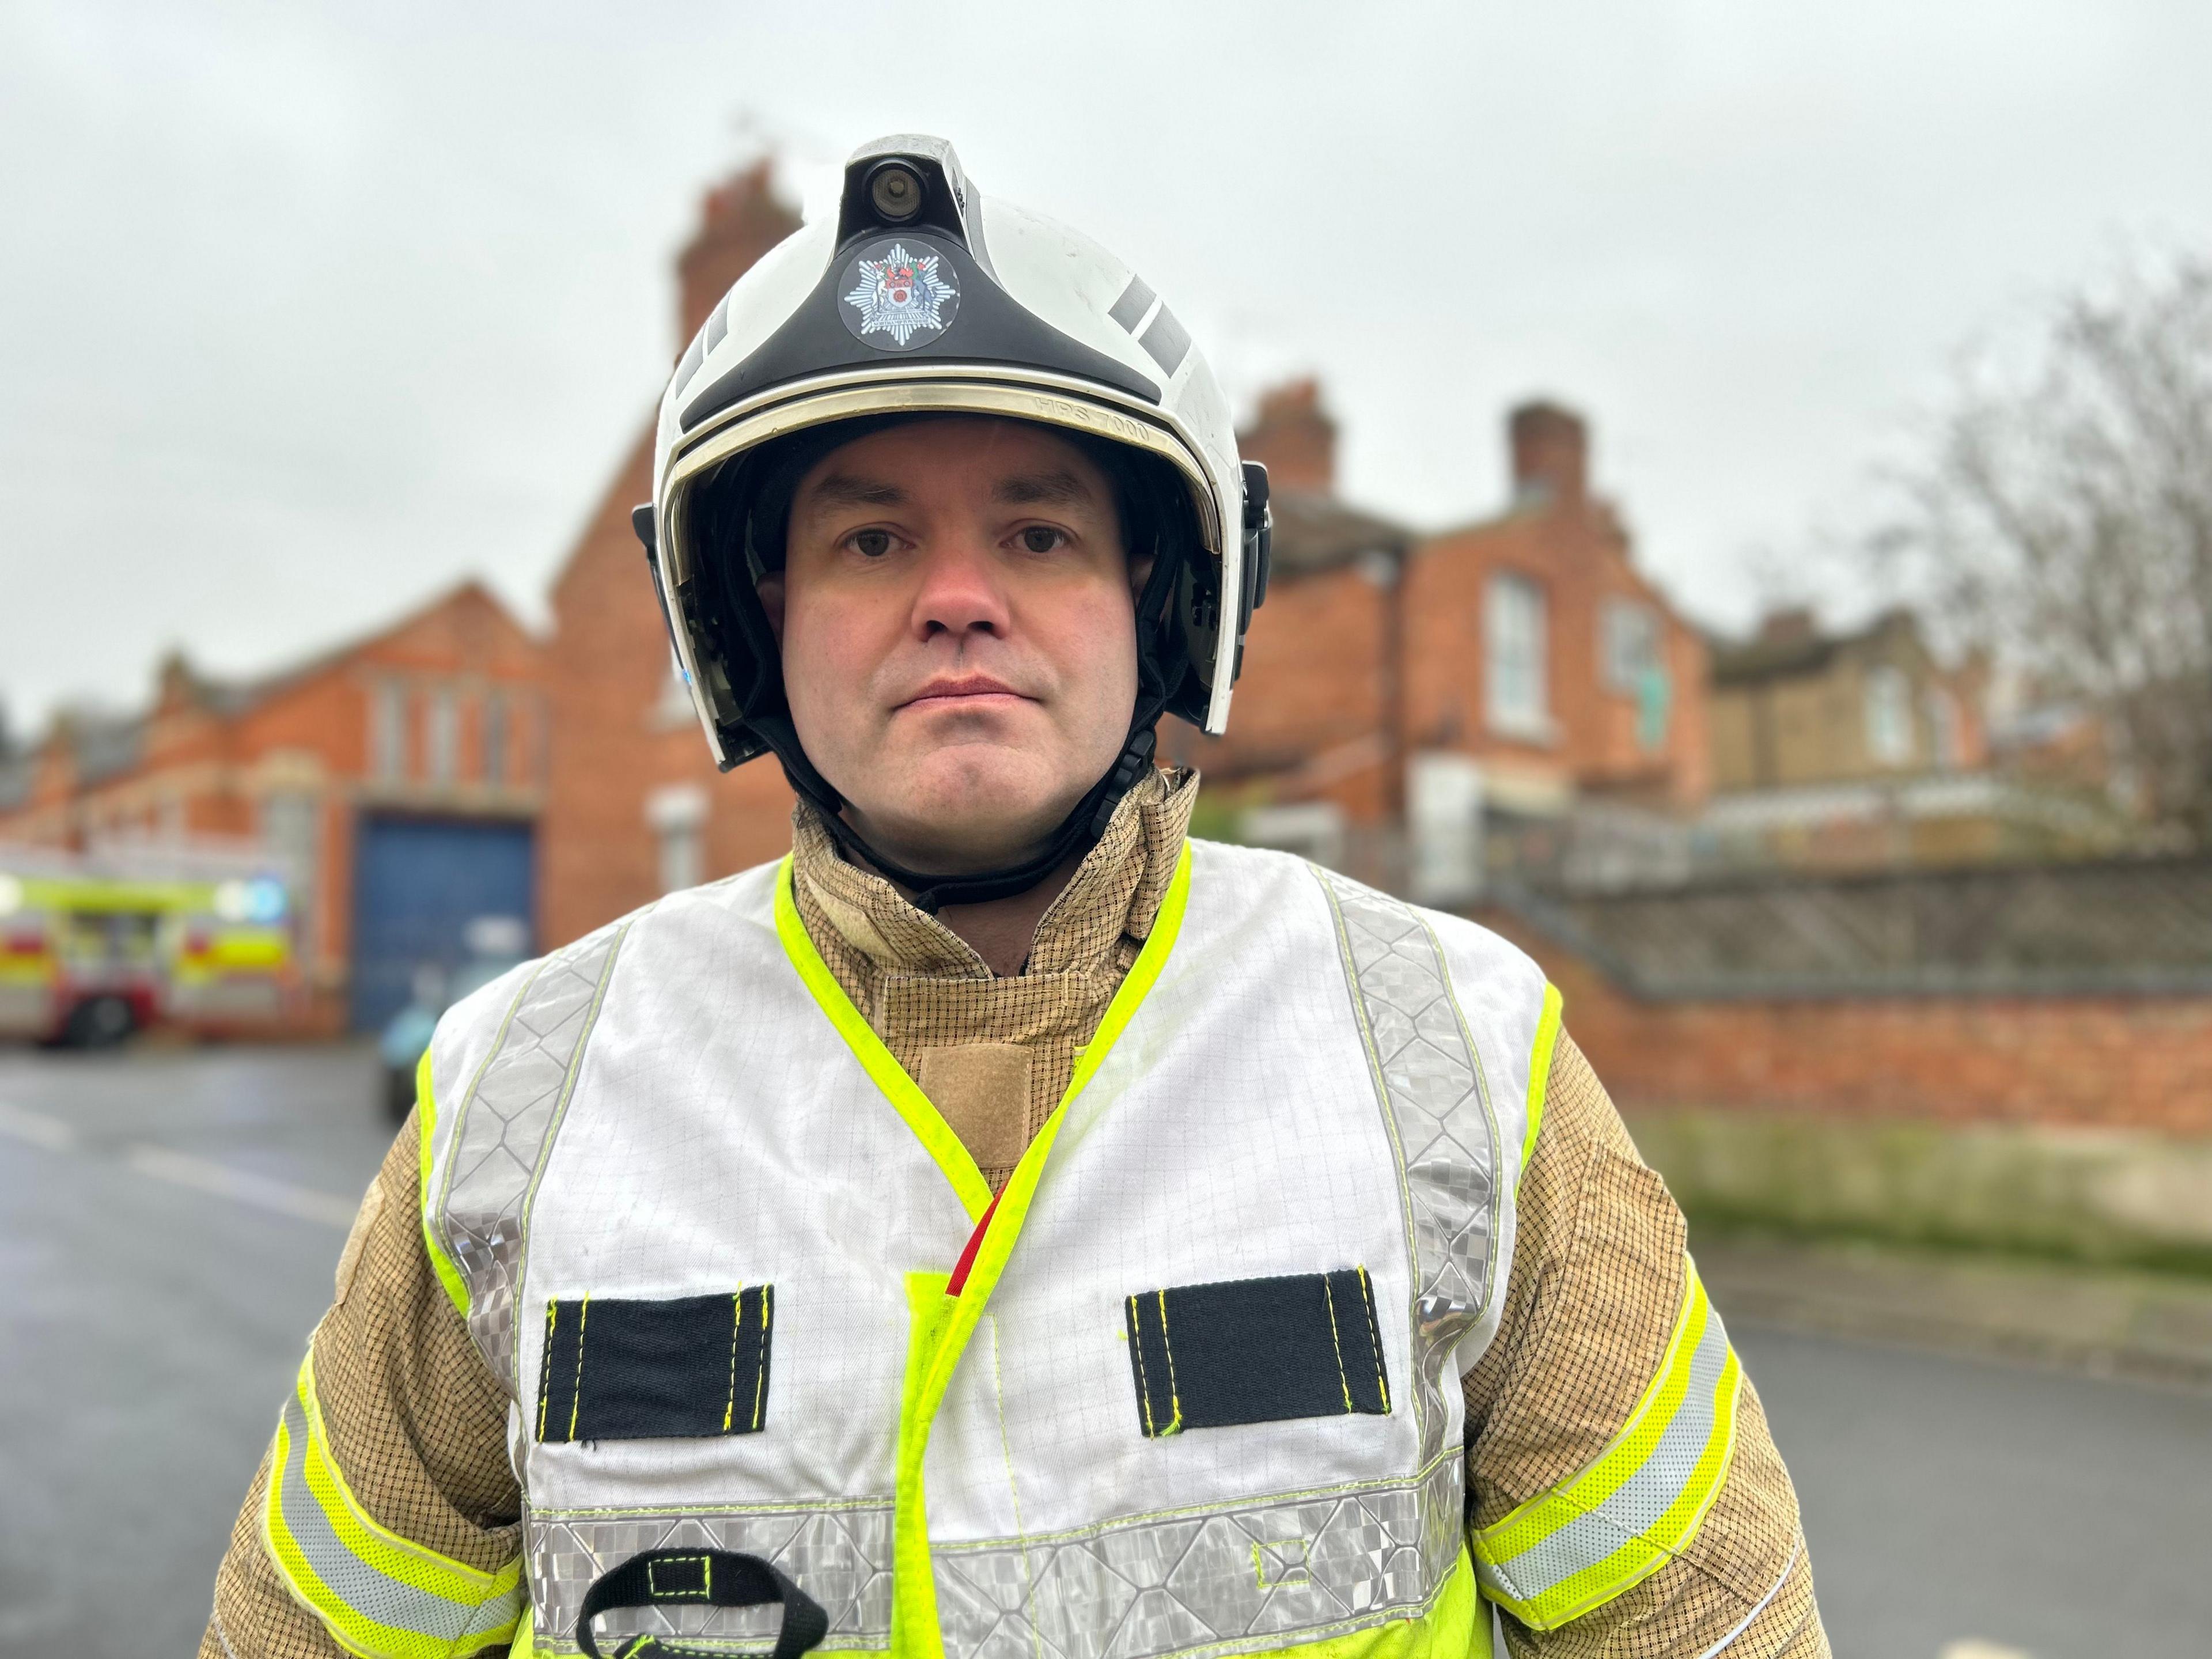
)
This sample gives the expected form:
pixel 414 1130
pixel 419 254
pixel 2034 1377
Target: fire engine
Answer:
pixel 95 946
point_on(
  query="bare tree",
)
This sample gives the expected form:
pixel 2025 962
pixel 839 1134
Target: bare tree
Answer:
pixel 2063 520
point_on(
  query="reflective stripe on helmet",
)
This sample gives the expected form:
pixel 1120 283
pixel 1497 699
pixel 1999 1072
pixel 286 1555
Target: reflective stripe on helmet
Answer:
pixel 1619 1520
pixel 974 391
pixel 377 1593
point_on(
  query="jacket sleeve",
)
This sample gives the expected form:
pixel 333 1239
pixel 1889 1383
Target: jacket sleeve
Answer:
pixel 1627 1498
pixel 384 1519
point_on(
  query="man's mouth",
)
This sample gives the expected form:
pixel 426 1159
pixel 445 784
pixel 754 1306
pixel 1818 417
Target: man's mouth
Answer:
pixel 947 693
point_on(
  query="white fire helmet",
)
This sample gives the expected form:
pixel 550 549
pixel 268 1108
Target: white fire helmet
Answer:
pixel 925 298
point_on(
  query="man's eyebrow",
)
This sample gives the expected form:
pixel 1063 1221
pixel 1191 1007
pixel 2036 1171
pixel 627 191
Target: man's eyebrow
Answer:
pixel 1054 489
pixel 842 489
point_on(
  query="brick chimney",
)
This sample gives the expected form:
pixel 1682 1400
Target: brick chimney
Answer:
pixel 1791 625
pixel 1550 455
pixel 1295 439
pixel 740 219
pixel 175 685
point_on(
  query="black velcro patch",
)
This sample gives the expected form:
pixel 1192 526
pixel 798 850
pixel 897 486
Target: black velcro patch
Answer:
pixel 656 1371
pixel 1256 1351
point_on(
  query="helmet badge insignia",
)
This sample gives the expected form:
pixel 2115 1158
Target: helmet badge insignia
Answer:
pixel 903 289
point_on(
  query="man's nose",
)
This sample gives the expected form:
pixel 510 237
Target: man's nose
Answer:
pixel 962 589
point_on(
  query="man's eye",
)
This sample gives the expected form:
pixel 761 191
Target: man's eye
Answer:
pixel 1042 537
pixel 871 544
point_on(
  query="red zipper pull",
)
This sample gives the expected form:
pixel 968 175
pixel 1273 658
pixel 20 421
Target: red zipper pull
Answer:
pixel 955 1285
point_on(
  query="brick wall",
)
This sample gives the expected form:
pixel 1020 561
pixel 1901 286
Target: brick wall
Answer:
pixel 1308 716
pixel 2116 1060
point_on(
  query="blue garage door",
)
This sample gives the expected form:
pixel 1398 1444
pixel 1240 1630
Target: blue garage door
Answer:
pixel 418 884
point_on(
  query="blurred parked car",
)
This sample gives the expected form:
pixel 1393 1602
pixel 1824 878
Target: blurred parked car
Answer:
pixel 495 944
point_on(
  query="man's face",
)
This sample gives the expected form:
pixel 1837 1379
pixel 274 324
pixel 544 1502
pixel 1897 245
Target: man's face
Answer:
pixel 958 634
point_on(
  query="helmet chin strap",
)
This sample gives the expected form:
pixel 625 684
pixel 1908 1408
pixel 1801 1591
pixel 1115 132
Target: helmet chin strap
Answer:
pixel 1079 832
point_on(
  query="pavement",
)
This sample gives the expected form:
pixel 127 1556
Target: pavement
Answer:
pixel 2147 1327
pixel 169 1220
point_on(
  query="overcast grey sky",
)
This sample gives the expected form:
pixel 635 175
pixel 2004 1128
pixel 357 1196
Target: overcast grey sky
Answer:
pixel 307 310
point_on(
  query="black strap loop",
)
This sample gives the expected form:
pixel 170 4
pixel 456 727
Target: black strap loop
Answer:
pixel 713 1578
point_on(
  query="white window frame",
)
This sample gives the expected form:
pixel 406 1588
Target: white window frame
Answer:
pixel 676 813
pixel 1516 657
pixel 387 731
pixel 1628 645
pixel 1313 829
pixel 1445 794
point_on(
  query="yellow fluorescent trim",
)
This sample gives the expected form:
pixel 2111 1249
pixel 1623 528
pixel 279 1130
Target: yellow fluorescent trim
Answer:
pixel 1540 1068
pixel 940 1326
pixel 1549 1511
pixel 1655 1413
pixel 1456 1626
pixel 425 1125
pixel 914 1630
pixel 383 1550
pixel 920 1114
pixel 1637 1559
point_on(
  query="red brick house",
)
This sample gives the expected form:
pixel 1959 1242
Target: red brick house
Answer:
pixel 1493 674
pixel 399 776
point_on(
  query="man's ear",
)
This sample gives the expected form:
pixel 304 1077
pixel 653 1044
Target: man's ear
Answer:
pixel 1140 572
pixel 770 589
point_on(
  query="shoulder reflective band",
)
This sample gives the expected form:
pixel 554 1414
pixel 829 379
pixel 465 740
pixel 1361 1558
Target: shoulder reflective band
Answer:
pixel 378 1594
pixel 1616 1522
pixel 693 1578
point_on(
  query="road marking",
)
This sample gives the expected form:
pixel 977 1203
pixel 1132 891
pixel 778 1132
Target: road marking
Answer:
pixel 261 1192
pixel 37 1128
pixel 183 1170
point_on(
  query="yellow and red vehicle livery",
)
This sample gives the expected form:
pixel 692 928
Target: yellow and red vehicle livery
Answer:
pixel 90 956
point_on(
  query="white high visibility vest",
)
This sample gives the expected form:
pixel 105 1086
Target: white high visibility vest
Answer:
pixel 1194 1386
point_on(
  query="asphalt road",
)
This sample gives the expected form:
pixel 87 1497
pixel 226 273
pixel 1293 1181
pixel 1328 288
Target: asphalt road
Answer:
pixel 169 1220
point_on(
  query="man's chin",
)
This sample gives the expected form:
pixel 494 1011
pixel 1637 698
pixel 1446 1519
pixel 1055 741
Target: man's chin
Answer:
pixel 977 813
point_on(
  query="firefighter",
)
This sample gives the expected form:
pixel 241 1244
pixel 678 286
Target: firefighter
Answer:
pixel 1006 1225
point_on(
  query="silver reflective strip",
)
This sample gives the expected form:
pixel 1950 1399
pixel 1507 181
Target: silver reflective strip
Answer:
pixel 363 1588
pixel 504 1127
pixel 1233 1581
pixel 841 1557
pixel 1437 1108
pixel 1636 1506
